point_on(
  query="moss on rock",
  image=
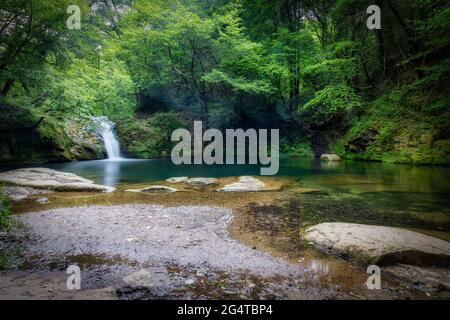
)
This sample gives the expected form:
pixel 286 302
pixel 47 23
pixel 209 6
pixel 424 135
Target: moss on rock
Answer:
pixel 29 138
pixel 396 135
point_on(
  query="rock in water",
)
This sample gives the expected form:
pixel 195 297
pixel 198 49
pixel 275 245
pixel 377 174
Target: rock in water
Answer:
pixel 412 256
pixel 153 189
pixel 45 178
pixel 245 184
pixel 42 201
pixel 177 179
pixel 201 182
pixel 379 245
pixel 330 157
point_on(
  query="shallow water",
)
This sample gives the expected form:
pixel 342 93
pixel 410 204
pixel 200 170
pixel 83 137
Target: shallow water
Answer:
pixel 361 192
pixel 404 196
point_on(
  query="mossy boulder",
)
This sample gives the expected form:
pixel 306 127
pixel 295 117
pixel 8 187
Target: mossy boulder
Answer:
pixel 29 138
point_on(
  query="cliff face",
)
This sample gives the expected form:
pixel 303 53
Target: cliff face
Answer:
pixel 26 138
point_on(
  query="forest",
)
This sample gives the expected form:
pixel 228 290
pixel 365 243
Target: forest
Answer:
pixel 312 69
pixel 340 106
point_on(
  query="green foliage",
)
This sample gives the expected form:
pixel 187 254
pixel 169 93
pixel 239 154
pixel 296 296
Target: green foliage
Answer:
pixel 6 222
pixel 236 63
pixel 331 101
pixel 391 133
pixel 149 137
pixel 296 149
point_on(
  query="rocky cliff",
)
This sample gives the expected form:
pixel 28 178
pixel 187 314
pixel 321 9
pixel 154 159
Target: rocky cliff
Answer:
pixel 29 138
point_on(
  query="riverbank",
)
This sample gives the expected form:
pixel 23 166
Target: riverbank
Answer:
pixel 151 251
pixel 119 237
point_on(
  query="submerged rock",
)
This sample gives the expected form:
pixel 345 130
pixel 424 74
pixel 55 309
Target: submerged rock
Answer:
pixel 245 184
pixel 330 157
pixel 42 201
pixel 153 189
pixel 177 179
pixel 200 182
pixel 379 245
pixel 430 277
pixel 45 178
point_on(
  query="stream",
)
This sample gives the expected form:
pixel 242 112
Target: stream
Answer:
pixel 410 197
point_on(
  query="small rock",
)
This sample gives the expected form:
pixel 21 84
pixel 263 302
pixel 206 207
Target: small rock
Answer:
pixel 189 282
pixel 200 273
pixel 153 189
pixel 42 201
pixel 330 157
pixel 245 184
pixel 200 182
pixel 177 179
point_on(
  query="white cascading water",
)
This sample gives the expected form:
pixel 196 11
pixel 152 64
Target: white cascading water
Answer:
pixel 106 130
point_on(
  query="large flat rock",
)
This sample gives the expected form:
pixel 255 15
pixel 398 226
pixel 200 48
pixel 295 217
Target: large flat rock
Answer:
pixel 44 178
pixel 380 245
pixel 245 184
pixel 201 182
pixel 153 189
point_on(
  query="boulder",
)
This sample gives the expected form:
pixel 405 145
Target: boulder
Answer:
pixel 201 182
pixel 379 245
pixel 177 179
pixel 153 189
pixel 44 178
pixel 330 157
pixel 245 184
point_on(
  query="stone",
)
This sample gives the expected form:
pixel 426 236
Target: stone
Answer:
pixel 379 245
pixel 45 178
pixel 245 184
pixel 200 273
pixel 153 189
pixel 140 279
pixel 17 194
pixel 200 182
pixel 330 157
pixel 177 179
pixel 42 201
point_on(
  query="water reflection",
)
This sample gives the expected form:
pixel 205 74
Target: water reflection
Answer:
pixel 320 266
pixel 327 165
pixel 111 172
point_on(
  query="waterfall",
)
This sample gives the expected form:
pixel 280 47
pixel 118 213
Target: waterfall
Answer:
pixel 106 130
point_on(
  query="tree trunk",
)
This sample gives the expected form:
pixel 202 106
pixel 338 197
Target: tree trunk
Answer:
pixel 7 86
